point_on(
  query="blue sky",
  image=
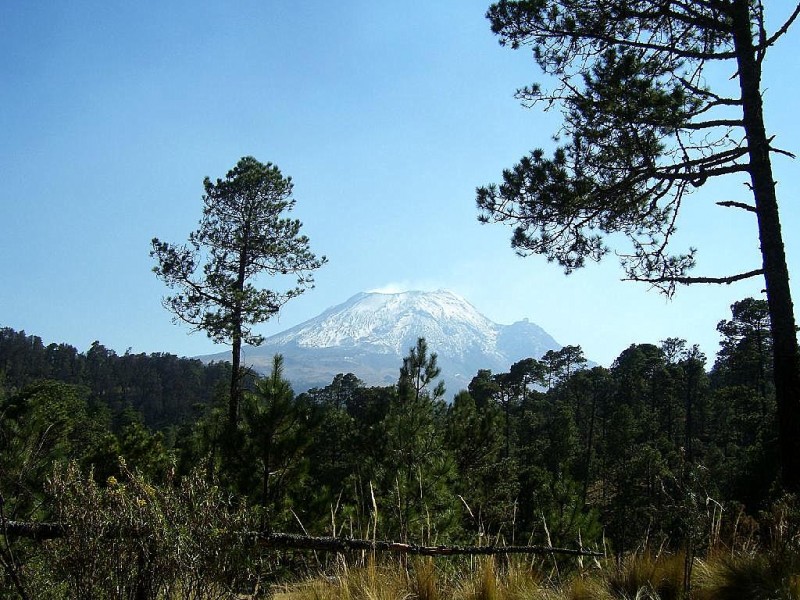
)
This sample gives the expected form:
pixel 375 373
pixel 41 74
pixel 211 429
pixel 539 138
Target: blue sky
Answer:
pixel 386 115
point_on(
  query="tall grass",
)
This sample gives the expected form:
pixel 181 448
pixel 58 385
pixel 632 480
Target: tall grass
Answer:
pixel 753 561
pixel 756 577
pixel 744 576
pixel 646 576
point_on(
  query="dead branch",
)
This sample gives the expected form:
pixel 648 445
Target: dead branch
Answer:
pixel 693 280
pixel 734 204
pixel 302 542
pixel 33 531
pixel 46 531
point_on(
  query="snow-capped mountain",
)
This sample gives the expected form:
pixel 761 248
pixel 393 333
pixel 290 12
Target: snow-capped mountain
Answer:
pixel 370 333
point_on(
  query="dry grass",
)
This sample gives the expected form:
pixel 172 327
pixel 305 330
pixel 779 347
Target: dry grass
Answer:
pixel 481 584
pixel 640 577
pixel 366 583
pixel 584 588
pixel 752 577
pixel 425 580
pixel 645 576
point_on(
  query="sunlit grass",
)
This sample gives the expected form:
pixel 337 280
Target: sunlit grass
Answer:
pixel 756 577
pixel 637 577
pixel 646 576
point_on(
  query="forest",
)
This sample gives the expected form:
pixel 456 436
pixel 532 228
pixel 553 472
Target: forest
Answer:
pixel 663 451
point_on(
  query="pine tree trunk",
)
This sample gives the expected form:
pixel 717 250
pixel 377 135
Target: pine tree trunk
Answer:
pixel 236 361
pixel 589 441
pixel 236 351
pixel 776 274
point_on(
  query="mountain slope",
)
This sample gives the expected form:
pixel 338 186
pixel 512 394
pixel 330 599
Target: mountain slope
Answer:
pixel 369 334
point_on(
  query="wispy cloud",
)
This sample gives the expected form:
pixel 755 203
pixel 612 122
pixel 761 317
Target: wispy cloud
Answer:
pixel 397 287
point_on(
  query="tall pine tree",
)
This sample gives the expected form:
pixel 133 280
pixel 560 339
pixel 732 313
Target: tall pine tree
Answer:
pixel 642 128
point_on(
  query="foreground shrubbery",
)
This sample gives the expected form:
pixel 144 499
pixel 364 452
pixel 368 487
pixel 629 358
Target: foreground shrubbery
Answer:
pixel 130 539
pixel 126 538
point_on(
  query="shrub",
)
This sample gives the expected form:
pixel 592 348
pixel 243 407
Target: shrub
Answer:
pixel 129 539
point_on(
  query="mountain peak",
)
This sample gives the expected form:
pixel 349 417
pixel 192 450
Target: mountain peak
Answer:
pixel 370 333
pixel 392 323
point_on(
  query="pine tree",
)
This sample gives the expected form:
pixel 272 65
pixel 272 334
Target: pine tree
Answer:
pixel 642 129
pixel 243 233
pixel 419 469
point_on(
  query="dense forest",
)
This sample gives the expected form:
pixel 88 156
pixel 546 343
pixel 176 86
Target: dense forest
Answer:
pixel 661 448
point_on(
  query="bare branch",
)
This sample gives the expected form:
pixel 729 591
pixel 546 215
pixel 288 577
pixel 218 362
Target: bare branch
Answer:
pixel 699 178
pixel 779 150
pixel 784 28
pixel 46 531
pixel 734 204
pixel 34 531
pixel 718 100
pixel 784 152
pixel 715 123
pixel 286 540
pixel 694 280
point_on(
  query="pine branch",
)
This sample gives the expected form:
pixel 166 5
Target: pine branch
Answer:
pixel 694 280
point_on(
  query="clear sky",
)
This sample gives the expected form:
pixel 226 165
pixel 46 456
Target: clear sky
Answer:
pixel 387 115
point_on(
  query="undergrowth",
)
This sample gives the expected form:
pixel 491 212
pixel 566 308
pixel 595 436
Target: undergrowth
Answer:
pixel 126 539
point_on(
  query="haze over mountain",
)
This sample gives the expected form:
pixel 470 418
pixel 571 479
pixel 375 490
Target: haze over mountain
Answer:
pixel 370 333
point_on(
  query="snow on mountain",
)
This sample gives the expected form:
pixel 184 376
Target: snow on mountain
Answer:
pixel 369 334
pixel 392 322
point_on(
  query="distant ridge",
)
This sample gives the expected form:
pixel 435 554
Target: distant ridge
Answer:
pixel 370 333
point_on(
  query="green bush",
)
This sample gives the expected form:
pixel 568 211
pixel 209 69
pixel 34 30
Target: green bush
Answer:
pixel 130 539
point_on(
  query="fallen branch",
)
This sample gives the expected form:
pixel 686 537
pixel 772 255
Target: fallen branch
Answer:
pixel 302 542
pixel 33 531
pixel 46 531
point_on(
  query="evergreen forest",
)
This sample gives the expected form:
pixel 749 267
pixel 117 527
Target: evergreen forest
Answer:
pixel 665 451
